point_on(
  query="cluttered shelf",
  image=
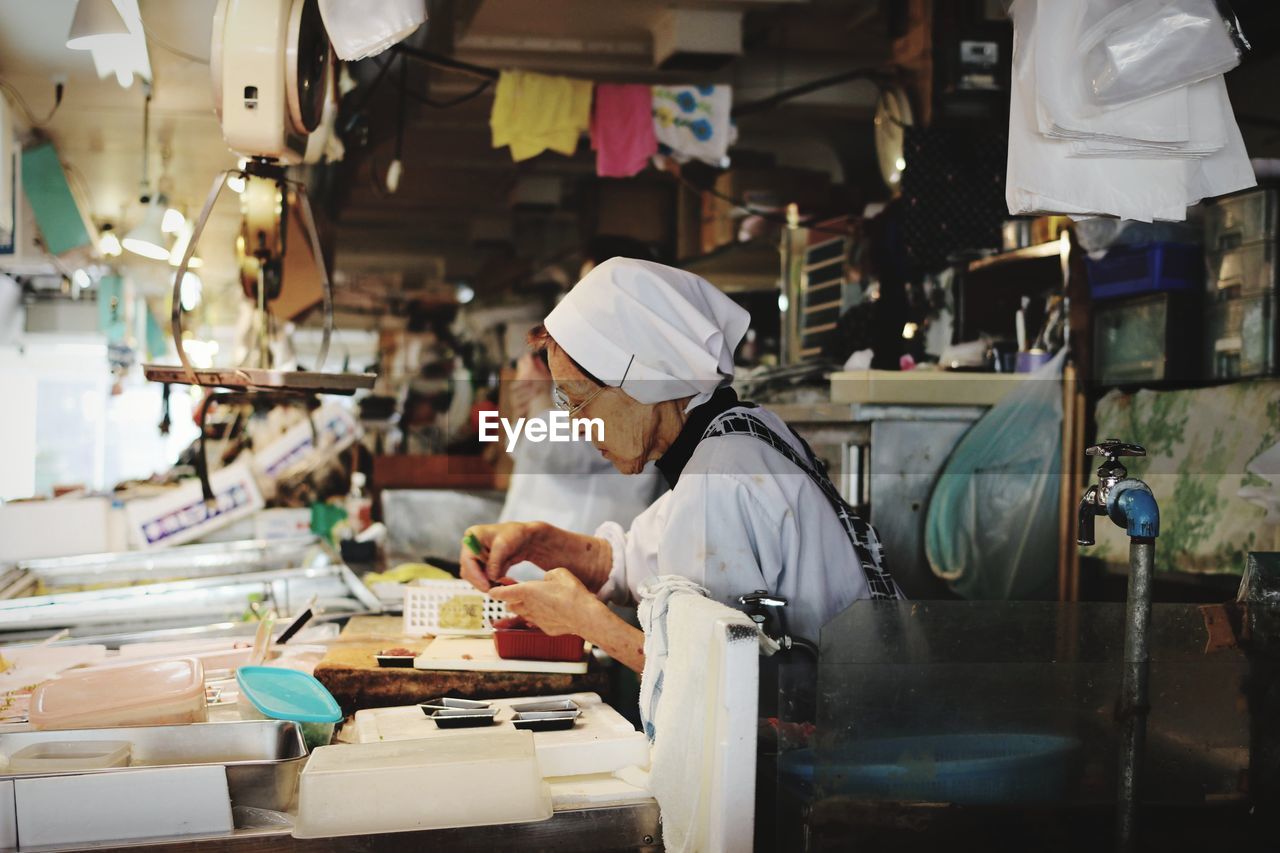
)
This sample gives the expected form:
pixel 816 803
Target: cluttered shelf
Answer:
pixel 739 267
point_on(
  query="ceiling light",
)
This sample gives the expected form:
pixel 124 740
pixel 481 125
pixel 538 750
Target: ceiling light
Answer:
pixel 465 293
pixel 173 221
pixel 191 291
pixel 108 242
pixel 95 22
pixel 81 279
pixel 235 183
pixel 180 246
pixel 146 238
pixel 111 30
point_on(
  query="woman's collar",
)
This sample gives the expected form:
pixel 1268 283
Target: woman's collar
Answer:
pixel 672 463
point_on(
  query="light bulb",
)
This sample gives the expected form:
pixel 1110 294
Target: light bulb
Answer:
pixel 173 221
pixel 109 243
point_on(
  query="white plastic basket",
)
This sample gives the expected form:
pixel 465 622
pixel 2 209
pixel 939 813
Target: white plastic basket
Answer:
pixel 425 600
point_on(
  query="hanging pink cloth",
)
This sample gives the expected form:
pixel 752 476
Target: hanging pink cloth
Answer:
pixel 622 129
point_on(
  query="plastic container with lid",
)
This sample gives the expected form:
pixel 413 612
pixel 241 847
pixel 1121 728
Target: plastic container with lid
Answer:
pixel 148 693
pixel 272 693
pixel 399 786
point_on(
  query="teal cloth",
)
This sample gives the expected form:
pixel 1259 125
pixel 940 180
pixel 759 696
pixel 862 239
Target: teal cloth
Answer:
pixel 45 184
pixel 157 340
pixel 111 308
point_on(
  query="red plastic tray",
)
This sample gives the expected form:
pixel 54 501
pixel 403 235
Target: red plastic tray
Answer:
pixel 530 644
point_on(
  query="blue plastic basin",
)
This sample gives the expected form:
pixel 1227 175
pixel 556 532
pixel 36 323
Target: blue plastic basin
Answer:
pixel 976 769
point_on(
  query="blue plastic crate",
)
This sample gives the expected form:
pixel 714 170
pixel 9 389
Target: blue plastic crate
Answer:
pixel 1141 270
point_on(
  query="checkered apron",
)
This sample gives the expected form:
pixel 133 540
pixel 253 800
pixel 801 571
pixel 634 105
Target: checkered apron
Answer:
pixel 866 544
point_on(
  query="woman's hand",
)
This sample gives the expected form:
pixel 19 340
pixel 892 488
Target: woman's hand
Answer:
pixel 557 604
pixel 561 604
pixel 506 544
pixel 503 545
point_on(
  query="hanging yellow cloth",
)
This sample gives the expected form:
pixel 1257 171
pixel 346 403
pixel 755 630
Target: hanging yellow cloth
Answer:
pixel 534 112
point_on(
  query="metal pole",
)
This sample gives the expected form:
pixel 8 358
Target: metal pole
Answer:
pixel 175 319
pixel 784 291
pixel 1134 704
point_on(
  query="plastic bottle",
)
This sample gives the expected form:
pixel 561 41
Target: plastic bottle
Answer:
pixel 359 505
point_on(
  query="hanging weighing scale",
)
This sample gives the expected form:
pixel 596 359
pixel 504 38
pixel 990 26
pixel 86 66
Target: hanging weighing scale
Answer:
pixel 271 65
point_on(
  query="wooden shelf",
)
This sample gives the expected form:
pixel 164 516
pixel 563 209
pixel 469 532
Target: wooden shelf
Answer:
pixel 1051 249
pixel 923 387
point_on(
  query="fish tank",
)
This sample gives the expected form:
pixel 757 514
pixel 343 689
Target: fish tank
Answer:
pixel 990 724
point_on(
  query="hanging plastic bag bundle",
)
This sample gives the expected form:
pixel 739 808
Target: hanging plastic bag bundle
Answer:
pixel 360 29
pixel 1147 47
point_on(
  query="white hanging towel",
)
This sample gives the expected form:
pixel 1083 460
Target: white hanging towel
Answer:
pixel 705 672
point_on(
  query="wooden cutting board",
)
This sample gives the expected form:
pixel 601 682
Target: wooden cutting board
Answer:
pixel 353 676
pixel 477 654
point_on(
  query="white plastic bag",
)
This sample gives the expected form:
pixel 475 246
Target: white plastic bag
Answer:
pixel 1146 47
pixel 1066 110
pixel 1043 178
pixel 359 29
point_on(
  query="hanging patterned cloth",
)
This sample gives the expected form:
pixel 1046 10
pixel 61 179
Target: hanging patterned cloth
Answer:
pixel 692 122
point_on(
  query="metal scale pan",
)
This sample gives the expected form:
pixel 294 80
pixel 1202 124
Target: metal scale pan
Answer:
pixel 257 378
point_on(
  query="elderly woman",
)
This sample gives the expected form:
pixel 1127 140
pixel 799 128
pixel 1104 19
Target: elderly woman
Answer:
pixel 648 350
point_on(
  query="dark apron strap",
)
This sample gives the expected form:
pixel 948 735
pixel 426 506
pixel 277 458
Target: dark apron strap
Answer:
pixel 866 544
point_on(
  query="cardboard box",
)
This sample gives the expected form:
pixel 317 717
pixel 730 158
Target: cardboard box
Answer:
pixel 63 527
pixel 181 515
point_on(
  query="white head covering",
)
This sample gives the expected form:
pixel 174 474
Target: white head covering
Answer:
pixel 669 332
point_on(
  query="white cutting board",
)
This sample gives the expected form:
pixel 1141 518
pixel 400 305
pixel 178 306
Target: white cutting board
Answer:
pixel 602 741
pixel 477 654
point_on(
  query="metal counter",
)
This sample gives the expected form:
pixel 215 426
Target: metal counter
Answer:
pixel 610 828
pixel 189 603
pixel 135 568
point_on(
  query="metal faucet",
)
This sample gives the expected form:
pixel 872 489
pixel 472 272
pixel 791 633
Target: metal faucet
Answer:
pixel 769 612
pixel 1129 503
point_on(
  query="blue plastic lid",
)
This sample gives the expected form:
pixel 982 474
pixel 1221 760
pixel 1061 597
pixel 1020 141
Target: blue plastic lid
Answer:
pixel 286 694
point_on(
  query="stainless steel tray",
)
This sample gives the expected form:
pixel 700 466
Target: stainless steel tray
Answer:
pixel 129 568
pixel 263 757
pixel 257 379
pixel 198 602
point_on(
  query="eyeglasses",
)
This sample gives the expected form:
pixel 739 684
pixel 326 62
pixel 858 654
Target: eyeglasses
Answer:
pixel 563 403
